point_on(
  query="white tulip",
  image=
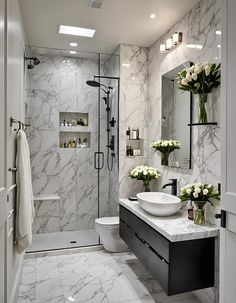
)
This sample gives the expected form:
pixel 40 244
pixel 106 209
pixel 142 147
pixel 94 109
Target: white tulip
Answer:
pixel 194 76
pixel 188 77
pixel 184 82
pixel 197 190
pixel 197 70
pixel 205 191
pixel 195 195
pixel 189 191
pixel 207 70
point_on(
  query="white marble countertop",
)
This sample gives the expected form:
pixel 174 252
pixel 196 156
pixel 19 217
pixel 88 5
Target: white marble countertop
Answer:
pixel 175 228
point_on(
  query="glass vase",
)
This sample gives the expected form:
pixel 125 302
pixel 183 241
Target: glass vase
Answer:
pixel 202 117
pixel 165 158
pixel 199 213
pixel 146 186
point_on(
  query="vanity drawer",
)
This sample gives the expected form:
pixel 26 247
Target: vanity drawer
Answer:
pixel 134 242
pixel 159 269
pixel 151 236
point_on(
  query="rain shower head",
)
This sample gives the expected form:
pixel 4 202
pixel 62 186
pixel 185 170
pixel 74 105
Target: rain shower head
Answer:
pixel 35 60
pixel 93 83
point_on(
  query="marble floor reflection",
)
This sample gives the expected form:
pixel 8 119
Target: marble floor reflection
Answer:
pixel 96 277
pixel 63 239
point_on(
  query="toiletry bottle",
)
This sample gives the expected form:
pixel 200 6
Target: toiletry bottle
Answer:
pixel 65 144
pixel 74 143
pixel 128 133
pixel 137 133
pixel 79 143
pixel 81 122
pixel 64 122
pixel 131 151
pixel 134 136
pixel 127 150
pixel 85 143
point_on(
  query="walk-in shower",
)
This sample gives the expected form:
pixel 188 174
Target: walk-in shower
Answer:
pixel 72 134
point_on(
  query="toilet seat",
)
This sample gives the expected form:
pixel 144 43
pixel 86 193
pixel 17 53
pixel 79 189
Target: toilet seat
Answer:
pixel 107 221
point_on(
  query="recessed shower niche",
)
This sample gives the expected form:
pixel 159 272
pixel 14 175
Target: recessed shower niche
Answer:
pixel 74 130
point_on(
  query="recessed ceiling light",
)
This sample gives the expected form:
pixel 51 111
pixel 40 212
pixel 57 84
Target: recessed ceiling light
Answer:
pixel 73 44
pixel 73 52
pixel 197 46
pixel 218 33
pixel 76 31
pixel 126 64
pixel 152 16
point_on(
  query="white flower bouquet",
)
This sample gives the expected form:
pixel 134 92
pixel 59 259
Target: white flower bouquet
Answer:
pixel 146 174
pixel 200 194
pixel 200 78
pixel 165 147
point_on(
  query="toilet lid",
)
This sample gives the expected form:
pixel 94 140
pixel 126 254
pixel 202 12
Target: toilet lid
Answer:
pixel 108 221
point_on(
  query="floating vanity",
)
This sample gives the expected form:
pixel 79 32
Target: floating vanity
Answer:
pixel 178 253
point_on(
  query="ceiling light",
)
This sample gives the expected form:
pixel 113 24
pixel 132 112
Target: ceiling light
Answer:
pixel 218 33
pixel 152 16
pixel 219 46
pixel 73 52
pixel 126 64
pixel 73 44
pixel 76 31
pixel 162 48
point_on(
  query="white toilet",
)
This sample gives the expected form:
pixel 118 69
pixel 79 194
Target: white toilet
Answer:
pixel 108 230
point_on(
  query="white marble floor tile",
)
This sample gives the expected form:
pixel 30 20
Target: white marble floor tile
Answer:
pixel 92 277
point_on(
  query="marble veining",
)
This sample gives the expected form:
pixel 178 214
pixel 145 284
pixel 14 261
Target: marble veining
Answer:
pixel 95 277
pixel 175 228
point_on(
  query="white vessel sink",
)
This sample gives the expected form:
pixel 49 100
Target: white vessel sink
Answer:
pixel 159 204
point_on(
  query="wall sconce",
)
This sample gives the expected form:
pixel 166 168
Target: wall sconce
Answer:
pixel 176 39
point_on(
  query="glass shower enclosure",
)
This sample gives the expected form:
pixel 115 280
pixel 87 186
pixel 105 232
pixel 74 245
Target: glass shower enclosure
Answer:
pixel 73 142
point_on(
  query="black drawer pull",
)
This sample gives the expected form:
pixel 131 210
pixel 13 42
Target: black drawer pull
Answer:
pixel 140 238
pixel 158 255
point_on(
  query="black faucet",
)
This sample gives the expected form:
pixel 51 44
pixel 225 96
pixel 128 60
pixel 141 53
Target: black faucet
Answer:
pixel 173 185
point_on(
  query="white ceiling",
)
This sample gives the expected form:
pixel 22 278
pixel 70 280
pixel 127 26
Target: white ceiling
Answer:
pixel 118 21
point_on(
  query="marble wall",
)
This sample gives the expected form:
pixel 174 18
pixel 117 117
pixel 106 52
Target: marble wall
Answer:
pixel 133 112
pixel 58 84
pixel 199 27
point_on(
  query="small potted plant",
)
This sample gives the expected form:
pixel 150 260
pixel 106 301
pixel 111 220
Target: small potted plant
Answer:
pixel 165 147
pixel 145 174
pixel 200 79
pixel 199 194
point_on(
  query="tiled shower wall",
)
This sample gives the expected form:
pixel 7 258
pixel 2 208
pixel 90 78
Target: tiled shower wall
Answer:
pixel 59 84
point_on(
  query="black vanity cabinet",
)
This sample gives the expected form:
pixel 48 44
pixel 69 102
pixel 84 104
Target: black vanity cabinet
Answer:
pixel 178 266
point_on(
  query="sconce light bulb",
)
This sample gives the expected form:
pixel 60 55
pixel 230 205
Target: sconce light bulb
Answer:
pixel 169 43
pixel 162 48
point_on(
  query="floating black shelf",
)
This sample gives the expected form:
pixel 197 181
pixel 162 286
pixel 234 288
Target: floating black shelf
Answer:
pixel 199 124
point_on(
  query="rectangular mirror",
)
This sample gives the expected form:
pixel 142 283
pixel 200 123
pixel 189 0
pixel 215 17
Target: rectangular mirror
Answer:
pixel 176 115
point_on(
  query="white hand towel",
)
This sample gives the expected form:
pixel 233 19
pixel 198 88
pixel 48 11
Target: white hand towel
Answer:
pixel 24 203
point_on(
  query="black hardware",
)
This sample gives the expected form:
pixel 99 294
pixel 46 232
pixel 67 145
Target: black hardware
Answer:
pixel 173 185
pixel 13 170
pixel 112 122
pixel 21 125
pixel 222 216
pixel 219 189
pixel 207 123
pixel 112 143
pixel 97 160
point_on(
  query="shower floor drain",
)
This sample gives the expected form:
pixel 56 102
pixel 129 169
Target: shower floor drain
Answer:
pixel 73 242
